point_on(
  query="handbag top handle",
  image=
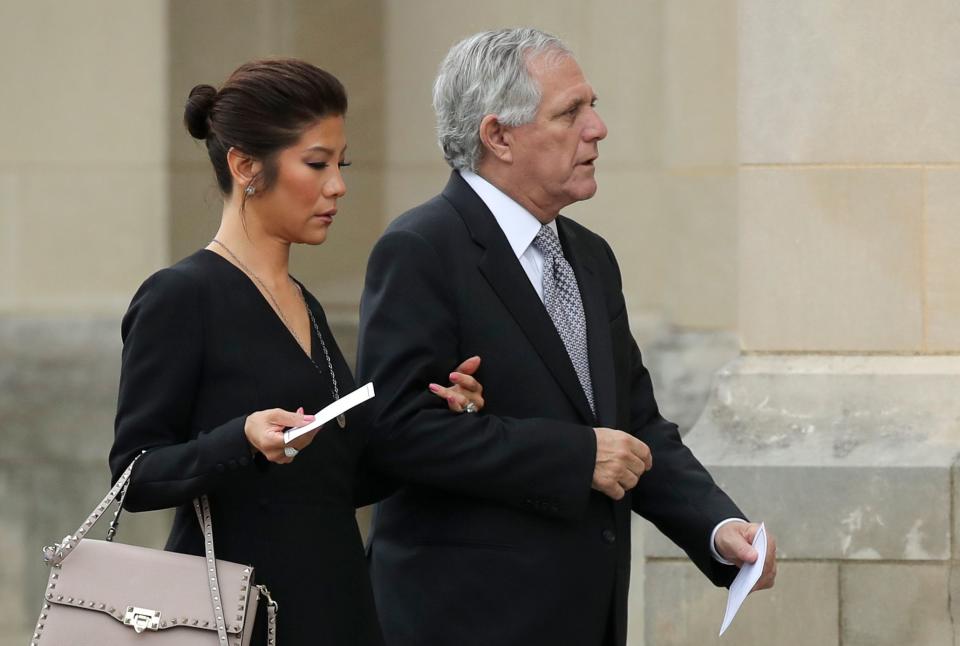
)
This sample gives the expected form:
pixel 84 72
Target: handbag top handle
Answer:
pixel 54 554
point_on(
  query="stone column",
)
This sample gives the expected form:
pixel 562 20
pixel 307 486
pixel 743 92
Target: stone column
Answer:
pixel 83 208
pixel 838 424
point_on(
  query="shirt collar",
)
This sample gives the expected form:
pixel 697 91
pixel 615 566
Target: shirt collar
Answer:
pixel 517 223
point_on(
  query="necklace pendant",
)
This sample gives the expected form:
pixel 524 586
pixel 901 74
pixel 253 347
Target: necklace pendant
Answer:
pixel 342 420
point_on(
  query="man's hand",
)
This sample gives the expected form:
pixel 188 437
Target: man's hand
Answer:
pixel 621 460
pixel 734 541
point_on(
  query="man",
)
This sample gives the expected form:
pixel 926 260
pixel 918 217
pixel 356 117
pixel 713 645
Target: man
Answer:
pixel 513 526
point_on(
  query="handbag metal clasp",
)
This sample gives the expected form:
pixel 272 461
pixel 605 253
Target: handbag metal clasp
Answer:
pixel 265 592
pixel 53 554
pixel 141 619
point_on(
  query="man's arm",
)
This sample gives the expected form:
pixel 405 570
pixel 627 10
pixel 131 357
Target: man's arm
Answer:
pixel 408 339
pixel 678 496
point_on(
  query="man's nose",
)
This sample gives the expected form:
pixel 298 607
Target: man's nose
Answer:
pixel 596 129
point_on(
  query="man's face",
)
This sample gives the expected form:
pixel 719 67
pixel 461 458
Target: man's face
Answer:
pixel 553 155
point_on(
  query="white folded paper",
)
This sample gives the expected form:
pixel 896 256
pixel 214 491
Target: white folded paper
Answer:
pixel 747 578
pixel 339 407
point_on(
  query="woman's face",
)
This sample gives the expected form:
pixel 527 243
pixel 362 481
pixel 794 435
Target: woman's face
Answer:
pixel 302 203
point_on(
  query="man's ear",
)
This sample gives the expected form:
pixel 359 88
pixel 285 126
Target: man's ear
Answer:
pixel 496 138
pixel 244 168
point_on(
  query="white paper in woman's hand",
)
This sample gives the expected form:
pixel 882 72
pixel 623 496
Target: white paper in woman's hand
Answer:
pixel 339 407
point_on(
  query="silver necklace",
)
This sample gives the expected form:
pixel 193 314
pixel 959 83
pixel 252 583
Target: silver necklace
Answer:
pixel 342 418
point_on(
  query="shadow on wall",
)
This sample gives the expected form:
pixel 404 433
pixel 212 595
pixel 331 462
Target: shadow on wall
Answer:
pixel 682 365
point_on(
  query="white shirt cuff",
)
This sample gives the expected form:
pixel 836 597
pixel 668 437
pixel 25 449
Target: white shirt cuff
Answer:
pixel 713 535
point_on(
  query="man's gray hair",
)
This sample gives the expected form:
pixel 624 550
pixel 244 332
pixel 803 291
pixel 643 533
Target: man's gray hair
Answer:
pixel 487 74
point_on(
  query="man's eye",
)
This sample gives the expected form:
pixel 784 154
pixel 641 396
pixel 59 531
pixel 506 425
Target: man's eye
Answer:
pixel 317 165
pixel 345 164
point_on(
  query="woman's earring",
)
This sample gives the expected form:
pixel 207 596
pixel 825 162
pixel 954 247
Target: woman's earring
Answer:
pixel 250 190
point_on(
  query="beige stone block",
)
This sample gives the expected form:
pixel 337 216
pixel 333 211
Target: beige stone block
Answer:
pixel 207 41
pixel 636 619
pixel 334 35
pixel 419 34
pixel 58 389
pixel 700 86
pixel 943 249
pixel 195 208
pixel 434 26
pixel 830 259
pixel 834 452
pixel 628 77
pixel 563 18
pixel 955 514
pixel 628 212
pixel 858 81
pixel 684 608
pixel 346 38
pixel 14 611
pixel 364 521
pixel 894 604
pixel 406 186
pixel 700 279
pixel 9 243
pixel 83 81
pixel 89 237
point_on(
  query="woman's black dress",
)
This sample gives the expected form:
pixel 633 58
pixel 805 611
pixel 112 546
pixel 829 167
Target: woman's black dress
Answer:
pixel 202 349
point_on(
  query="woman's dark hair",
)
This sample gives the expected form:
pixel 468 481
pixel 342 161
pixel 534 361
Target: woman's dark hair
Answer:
pixel 261 109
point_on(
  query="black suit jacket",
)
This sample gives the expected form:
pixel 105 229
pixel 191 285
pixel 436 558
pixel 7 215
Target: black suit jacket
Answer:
pixel 497 537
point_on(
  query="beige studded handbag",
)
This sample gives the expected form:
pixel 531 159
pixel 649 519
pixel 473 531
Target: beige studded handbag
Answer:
pixel 111 593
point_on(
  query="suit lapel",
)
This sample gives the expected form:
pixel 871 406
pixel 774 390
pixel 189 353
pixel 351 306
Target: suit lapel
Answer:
pixel 502 270
pixel 599 344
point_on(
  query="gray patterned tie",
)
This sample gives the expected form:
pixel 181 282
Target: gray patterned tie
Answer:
pixel 561 296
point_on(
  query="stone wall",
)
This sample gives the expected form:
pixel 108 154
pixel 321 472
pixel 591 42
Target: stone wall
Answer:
pixel 838 425
pixel 780 173
pixel 83 205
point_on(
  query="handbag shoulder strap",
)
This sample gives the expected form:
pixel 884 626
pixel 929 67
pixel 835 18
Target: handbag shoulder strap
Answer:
pixel 55 554
pixel 202 507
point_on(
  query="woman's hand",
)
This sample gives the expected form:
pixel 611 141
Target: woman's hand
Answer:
pixel 465 389
pixel 264 431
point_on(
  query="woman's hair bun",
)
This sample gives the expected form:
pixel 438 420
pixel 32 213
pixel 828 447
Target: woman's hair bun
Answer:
pixel 196 114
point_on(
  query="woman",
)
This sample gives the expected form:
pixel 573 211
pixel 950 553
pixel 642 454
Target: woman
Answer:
pixel 224 349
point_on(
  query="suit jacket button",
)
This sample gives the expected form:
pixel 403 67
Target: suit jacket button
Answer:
pixel 232 464
pixel 221 468
pixel 244 461
pixel 609 536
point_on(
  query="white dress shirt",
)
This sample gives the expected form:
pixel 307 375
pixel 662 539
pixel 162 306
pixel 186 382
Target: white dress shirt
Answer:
pixel 517 223
pixel 520 227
